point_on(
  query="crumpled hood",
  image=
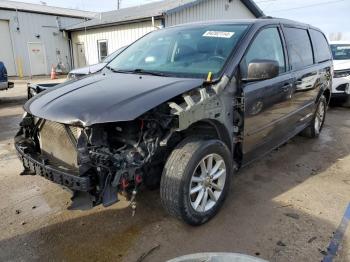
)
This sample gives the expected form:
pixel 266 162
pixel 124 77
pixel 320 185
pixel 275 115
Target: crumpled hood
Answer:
pixel 341 64
pixel 106 97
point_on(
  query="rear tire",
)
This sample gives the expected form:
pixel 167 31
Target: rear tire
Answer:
pixel 196 179
pixel 316 125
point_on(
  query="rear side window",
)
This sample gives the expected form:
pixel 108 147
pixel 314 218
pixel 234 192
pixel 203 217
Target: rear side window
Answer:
pixel 266 46
pixel 299 47
pixel 321 48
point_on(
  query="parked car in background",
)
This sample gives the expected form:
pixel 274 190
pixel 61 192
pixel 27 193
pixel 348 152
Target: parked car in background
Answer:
pixel 4 83
pixel 183 106
pixel 341 80
pixel 83 71
pixel 33 89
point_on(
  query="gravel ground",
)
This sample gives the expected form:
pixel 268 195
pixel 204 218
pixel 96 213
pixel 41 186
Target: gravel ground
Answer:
pixel 284 207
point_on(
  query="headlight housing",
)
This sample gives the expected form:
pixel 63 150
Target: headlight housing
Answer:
pixel 31 92
pixel 341 73
pixel 74 76
pixel 71 76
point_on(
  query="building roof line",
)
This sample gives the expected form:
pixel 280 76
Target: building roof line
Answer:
pixel 154 9
pixel 253 7
pixel 136 20
pixel 250 4
pixel 45 9
pixel 182 7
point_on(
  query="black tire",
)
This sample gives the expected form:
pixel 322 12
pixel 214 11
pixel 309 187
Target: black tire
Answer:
pixel 312 131
pixel 177 176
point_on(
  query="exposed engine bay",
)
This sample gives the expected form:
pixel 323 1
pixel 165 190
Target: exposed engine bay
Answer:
pixel 119 157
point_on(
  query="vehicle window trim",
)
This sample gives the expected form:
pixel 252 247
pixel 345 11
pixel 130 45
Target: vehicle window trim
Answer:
pixel 329 48
pixel 277 26
pixel 313 56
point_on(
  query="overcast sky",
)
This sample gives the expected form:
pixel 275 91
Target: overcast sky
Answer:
pixel 329 15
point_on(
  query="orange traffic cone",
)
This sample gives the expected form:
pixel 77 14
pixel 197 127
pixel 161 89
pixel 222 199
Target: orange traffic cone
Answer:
pixel 53 73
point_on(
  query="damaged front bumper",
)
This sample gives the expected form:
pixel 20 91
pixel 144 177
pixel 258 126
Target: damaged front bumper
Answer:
pixel 36 164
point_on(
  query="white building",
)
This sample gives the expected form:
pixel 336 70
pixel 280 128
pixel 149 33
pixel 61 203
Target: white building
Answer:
pixel 31 37
pixel 93 40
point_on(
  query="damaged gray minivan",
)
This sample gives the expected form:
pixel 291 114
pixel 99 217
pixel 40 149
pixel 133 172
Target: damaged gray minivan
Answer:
pixel 183 107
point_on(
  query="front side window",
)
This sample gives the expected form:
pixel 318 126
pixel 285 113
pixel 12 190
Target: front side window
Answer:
pixel 299 47
pixel 102 48
pixel 181 51
pixel 266 46
pixel 341 51
pixel 321 46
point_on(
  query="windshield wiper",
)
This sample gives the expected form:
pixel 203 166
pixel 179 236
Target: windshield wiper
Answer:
pixel 112 69
pixel 137 71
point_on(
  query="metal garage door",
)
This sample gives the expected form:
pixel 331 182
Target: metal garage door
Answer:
pixel 6 52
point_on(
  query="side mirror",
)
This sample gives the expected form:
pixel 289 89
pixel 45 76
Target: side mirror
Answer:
pixel 262 70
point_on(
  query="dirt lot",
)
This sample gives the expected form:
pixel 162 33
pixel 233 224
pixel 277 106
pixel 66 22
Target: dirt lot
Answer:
pixel 284 207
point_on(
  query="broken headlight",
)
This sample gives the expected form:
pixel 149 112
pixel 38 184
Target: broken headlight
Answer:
pixel 341 73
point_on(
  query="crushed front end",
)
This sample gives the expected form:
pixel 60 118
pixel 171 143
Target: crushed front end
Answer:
pixel 95 162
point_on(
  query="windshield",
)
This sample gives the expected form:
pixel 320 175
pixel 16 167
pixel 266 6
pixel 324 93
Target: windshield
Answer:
pixel 181 51
pixel 341 51
pixel 111 56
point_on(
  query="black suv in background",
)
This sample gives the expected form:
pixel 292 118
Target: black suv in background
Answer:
pixel 185 107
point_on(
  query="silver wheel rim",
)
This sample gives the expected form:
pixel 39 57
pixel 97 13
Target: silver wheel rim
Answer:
pixel 207 183
pixel 320 113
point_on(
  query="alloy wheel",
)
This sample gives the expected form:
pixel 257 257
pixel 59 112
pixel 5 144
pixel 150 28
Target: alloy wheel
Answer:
pixel 207 182
pixel 319 119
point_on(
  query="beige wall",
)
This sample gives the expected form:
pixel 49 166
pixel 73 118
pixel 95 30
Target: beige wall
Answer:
pixel 117 36
pixel 210 10
pixel 122 35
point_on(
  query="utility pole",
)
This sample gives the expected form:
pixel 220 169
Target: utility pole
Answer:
pixel 118 6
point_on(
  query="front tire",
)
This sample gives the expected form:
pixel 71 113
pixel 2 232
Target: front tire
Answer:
pixel 196 179
pixel 315 127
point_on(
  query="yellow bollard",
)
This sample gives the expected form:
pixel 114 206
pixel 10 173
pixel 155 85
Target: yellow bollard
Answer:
pixel 20 67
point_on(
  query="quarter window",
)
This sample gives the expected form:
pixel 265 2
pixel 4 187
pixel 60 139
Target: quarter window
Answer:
pixel 102 48
pixel 266 46
pixel 321 47
pixel 299 47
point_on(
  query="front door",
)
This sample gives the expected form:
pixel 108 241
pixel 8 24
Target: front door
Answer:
pixel 81 55
pixel 267 102
pixel 37 59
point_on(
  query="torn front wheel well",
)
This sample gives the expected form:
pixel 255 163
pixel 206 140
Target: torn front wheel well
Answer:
pixel 209 128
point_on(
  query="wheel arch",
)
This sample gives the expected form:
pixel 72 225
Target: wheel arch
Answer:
pixel 211 128
pixel 326 92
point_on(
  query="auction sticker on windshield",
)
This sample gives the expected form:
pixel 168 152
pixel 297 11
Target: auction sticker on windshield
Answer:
pixel 219 34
